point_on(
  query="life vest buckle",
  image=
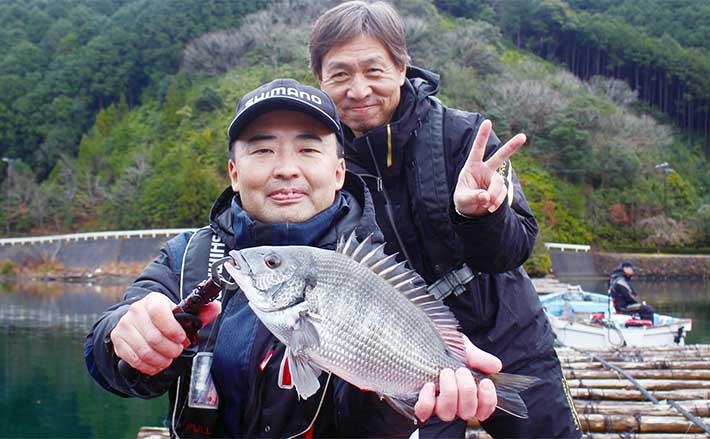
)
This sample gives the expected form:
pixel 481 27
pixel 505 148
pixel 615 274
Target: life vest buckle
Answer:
pixel 451 282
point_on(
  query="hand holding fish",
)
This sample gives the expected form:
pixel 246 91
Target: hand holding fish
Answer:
pixel 480 188
pixel 458 393
pixel 149 338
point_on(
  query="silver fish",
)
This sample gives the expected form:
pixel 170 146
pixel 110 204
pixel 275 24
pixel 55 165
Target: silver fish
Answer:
pixel 357 313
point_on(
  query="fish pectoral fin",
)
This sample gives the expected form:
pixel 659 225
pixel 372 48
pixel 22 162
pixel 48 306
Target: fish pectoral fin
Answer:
pixel 305 335
pixel 404 408
pixel 304 374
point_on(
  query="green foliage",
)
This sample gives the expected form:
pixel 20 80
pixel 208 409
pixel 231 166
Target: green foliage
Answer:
pixel 559 207
pixel 181 192
pixel 539 264
pixel 114 134
pixel 209 100
pixel 89 54
pixel 7 268
pixel 688 21
pixel 700 226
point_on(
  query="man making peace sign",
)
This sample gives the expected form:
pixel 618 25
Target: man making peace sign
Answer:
pixel 447 199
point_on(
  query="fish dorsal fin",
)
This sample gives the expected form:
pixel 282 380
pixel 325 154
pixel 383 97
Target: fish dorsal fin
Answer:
pixel 444 320
pixel 407 282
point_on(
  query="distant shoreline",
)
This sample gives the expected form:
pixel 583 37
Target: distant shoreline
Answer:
pixel 657 265
pixel 122 259
pixel 649 266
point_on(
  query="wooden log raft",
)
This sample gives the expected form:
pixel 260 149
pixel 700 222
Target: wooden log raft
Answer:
pixel 625 355
pixel 634 395
pixel 699 408
pixel 480 434
pixel 644 436
pixel 596 383
pixel 637 424
pixel 642 393
pixel 630 365
pixel 660 374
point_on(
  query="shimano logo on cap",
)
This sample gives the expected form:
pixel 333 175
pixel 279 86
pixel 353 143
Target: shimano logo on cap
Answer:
pixel 284 91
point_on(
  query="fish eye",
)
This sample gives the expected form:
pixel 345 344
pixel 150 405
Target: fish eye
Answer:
pixel 272 261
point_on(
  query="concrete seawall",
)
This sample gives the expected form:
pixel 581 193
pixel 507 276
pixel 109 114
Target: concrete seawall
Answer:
pixel 85 254
pixel 600 264
pixel 139 247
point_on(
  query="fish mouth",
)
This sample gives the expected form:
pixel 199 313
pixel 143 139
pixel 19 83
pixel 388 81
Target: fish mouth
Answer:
pixel 239 261
pixel 241 271
pixel 238 268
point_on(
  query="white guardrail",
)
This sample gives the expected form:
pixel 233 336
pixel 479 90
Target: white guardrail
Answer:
pixel 94 235
pixel 567 247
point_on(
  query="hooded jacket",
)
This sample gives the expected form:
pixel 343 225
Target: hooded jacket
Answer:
pixel 246 355
pixel 621 289
pixel 411 166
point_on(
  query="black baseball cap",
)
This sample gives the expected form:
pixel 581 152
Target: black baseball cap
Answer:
pixel 627 264
pixel 285 94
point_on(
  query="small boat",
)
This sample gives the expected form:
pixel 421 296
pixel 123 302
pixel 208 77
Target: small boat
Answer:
pixel 583 319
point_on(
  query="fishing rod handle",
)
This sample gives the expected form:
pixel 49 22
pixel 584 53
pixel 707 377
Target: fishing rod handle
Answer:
pixel 185 313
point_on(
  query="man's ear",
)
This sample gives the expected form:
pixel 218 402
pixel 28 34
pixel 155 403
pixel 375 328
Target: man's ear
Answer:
pixel 319 77
pixel 403 74
pixel 233 175
pixel 340 174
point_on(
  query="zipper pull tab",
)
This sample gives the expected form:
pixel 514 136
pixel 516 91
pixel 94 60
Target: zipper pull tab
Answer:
pixel 379 184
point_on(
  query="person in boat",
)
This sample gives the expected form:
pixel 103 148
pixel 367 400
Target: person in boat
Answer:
pixel 289 186
pixel 624 295
pixel 448 201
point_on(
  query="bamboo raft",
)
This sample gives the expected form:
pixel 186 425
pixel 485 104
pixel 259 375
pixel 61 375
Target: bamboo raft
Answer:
pixel 641 393
pixel 645 393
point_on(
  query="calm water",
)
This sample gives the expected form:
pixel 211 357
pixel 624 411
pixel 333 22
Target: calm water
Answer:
pixel 46 392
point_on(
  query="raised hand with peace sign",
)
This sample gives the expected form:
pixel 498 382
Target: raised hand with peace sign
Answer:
pixel 480 189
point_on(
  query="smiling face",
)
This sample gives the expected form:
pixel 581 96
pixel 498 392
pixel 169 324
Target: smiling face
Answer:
pixel 286 168
pixel 363 81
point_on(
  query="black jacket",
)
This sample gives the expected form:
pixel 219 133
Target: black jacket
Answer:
pixel 622 290
pixel 250 400
pixel 412 175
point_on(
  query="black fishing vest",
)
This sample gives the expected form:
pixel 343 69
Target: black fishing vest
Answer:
pixel 430 196
pixel 203 248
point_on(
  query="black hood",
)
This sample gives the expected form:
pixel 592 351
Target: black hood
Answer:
pixel 413 107
pixel 619 271
pixel 359 215
pixel 424 82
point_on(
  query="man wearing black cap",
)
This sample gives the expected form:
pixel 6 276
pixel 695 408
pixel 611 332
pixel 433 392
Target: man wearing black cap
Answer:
pixel 624 295
pixel 288 187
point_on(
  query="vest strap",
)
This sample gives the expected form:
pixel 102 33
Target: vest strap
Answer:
pixel 453 281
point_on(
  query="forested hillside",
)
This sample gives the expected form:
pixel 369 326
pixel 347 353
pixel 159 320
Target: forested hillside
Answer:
pixel 113 113
pixel 65 60
pixel 659 48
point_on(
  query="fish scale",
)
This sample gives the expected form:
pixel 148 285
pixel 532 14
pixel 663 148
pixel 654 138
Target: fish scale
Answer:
pixel 359 314
pixel 387 322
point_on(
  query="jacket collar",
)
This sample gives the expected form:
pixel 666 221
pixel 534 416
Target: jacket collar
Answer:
pixel 250 233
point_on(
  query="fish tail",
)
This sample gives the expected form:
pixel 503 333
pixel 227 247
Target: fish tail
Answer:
pixel 508 388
